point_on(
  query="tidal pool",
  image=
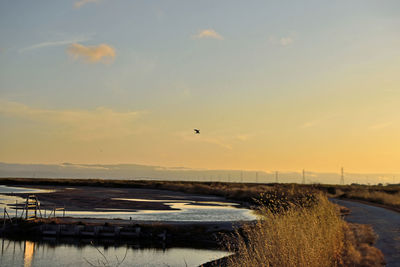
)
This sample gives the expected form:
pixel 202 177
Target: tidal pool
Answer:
pixel 31 254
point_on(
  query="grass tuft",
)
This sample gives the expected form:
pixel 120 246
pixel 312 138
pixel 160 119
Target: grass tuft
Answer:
pixel 299 236
pixel 310 234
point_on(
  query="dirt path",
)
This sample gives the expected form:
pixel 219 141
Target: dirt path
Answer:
pixel 386 224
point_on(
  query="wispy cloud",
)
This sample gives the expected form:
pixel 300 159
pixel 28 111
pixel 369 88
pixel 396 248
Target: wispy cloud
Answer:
pixel 309 124
pixel 81 124
pixel 80 3
pixel 55 43
pixel 214 140
pixel 379 126
pixel 282 40
pixel 220 140
pixel 318 121
pixel 208 34
pixel 243 137
pixel 84 166
pixel 101 53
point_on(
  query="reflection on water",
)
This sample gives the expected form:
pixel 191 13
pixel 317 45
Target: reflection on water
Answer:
pixel 34 254
pixel 193 211
pixel 12 189
pixel 187 215
pixel 28 253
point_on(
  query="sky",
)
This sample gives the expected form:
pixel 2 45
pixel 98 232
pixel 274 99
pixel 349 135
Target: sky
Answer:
pixel 272 85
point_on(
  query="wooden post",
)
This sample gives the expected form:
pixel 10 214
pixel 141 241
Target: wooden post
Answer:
pixel 16 209
pixel 8 215
pixel 4 219
pixel 36 207
pixel 40 210
pixel 26 208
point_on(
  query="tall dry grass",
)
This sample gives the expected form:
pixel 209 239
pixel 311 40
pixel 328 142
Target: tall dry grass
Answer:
pixel 377 197
pixel 359 250
pixel 299 236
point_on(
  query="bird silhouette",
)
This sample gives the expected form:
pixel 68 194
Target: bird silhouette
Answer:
pixel 196 131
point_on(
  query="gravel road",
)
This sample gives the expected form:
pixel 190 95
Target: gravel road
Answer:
pixel 386 224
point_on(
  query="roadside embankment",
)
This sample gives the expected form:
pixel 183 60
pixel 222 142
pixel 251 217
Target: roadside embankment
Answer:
pixel 384 222
pixel 383 196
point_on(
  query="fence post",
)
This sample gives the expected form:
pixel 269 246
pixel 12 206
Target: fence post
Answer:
pixel 4 219
pixel 26 208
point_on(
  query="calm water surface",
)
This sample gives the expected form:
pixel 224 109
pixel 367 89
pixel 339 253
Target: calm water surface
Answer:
pixel 32 254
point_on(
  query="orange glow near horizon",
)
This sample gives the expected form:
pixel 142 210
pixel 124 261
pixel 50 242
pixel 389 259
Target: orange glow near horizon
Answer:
pixel 273 90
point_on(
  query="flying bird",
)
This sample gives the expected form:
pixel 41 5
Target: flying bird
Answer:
pixel 196 131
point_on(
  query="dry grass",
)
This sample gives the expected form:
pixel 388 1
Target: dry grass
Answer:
pixel 390 199
pixel 304 235
pixel 301 236
pixel 359 251
pixel 388 195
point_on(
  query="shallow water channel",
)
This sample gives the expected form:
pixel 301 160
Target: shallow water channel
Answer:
pixel 31 254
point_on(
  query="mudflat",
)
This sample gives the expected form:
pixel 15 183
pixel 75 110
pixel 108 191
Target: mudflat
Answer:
pixel 83 198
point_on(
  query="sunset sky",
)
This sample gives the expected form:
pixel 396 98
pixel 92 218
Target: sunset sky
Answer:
pixel 272 85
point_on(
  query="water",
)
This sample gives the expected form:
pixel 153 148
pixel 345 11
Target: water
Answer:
pixel 6 201
pixel 10 189
pixel 31 254
pixel 184 210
